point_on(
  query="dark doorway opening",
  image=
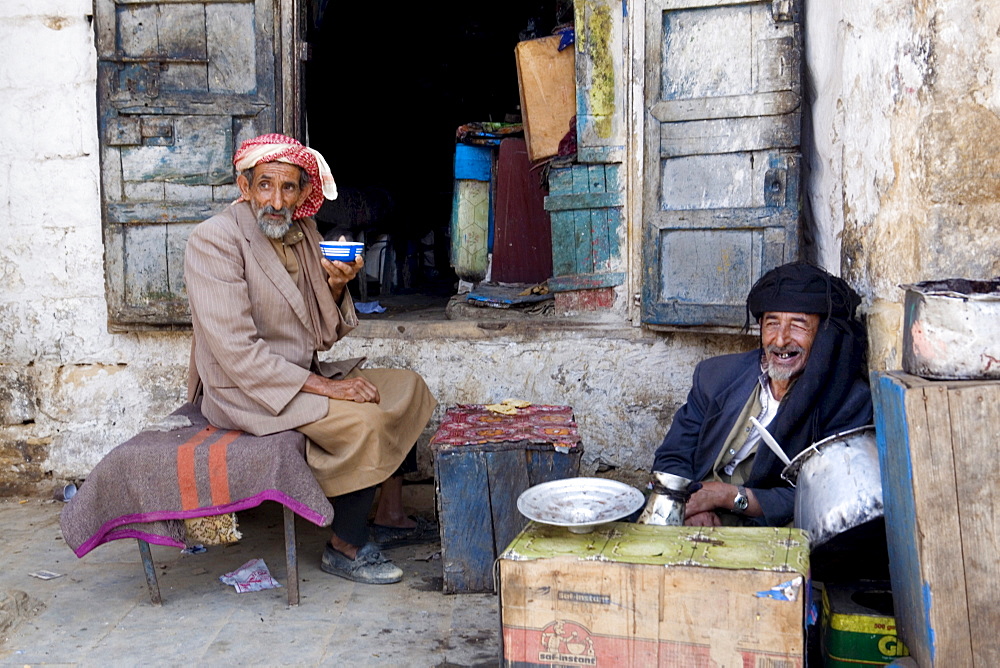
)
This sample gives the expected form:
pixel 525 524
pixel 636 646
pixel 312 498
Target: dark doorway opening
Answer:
pixel 387 85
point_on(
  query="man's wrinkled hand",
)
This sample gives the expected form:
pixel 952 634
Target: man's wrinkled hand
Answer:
pixel 703 519
pixel 712 495
pixel 339 274
pixel 356 389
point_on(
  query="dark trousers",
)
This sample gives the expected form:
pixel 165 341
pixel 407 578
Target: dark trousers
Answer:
pixel 350 511
pixel 350 515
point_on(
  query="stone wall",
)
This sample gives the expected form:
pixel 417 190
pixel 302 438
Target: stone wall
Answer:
pixel 624 384
pixel 906 169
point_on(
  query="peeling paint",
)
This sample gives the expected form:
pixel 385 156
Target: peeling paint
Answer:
pixel 56 22
pixel 598 47
pixel 909 181
pixel 79 374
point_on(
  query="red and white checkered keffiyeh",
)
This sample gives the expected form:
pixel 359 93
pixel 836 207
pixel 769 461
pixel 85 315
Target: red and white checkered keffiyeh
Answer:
pixel 281 148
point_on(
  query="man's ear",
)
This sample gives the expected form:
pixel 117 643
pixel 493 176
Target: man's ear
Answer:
pixel 304 195
pixel 243 184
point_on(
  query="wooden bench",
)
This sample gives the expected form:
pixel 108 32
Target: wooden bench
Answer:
pixel 184 468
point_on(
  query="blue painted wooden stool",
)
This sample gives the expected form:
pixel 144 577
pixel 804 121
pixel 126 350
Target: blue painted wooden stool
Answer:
pixel 483 461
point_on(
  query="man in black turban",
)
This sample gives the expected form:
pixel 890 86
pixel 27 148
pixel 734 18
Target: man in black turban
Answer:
pixel 807 381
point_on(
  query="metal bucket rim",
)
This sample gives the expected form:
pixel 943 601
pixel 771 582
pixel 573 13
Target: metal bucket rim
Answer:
pixel 672 480
pixel 791 471
pixel 941 288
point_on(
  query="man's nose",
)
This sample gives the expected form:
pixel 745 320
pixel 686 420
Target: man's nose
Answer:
pixel 276 201
pixel 782 336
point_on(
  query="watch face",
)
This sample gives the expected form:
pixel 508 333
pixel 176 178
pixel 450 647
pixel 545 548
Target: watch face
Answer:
pixel 741 501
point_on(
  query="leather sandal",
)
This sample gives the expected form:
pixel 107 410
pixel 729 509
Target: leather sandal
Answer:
pixel 387 537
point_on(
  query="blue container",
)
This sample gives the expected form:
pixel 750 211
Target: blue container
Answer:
pixel 473 162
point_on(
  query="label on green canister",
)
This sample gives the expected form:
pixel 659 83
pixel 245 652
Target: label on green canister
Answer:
pixel 855 635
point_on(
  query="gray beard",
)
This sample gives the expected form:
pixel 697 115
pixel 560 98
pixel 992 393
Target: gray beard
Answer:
pixel 783 374
pixel 274 230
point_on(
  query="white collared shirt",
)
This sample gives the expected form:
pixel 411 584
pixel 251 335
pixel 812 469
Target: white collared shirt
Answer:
pixel 768 409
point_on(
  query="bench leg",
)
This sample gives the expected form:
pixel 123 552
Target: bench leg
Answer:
pixel 150 570
pixel 291 559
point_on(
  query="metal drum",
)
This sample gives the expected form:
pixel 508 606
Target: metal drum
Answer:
pixel 838 484
pixel 951 329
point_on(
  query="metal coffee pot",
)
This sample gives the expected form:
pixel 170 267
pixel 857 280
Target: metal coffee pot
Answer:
pixel 666 505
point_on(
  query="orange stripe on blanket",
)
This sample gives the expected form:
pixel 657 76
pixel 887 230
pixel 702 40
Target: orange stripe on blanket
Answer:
pixel 218 472
pixel 186 481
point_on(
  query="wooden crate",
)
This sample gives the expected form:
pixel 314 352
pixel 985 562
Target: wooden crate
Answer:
pixel 585 202
pixel 477 490
pixel 936 442
pixel 637 595
pixel 482 463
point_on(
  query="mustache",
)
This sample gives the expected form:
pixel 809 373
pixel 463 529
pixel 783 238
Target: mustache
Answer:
pixel 271 211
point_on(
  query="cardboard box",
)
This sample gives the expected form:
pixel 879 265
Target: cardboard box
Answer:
pixel 858 627
pixel 638 595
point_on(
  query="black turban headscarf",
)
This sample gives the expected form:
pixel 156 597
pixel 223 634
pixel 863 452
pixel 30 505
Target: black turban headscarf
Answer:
pixel 836 359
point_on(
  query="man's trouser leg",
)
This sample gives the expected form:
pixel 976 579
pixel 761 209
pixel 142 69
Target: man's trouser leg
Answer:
pixel 350 515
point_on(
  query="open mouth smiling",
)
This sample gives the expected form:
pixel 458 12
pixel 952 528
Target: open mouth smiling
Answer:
pixel 786 355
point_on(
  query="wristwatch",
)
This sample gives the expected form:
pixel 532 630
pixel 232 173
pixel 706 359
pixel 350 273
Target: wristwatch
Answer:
pixel 741 501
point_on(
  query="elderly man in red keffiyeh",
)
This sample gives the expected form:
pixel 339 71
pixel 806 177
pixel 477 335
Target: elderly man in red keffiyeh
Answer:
pixel 264 304
pixel 279 148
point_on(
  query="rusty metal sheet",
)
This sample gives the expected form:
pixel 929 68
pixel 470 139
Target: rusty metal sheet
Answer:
pixel 522 245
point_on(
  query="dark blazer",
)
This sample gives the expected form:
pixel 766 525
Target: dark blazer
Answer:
pixel 721 388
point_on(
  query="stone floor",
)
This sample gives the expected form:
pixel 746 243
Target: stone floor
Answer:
pixel 98 611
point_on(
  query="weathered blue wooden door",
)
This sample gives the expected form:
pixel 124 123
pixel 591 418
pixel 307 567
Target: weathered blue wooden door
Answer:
pixel 721 187
pixel 180 82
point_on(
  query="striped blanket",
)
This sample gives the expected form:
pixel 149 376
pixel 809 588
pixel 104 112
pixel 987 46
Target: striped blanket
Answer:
pixel 148 485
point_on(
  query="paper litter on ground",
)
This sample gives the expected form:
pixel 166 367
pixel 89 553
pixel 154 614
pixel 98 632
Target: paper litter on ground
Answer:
pixel 251 576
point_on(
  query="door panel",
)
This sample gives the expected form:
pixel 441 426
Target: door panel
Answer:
pixel 725 135
pixel 715 181
pixel 722 165
pixel 180 84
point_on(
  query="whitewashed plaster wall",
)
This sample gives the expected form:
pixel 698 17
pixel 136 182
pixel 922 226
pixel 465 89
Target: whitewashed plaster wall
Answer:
pixel 70 391
pixel 905 182
pixel 624 384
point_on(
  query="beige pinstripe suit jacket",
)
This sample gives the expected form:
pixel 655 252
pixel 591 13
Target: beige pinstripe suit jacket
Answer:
pixel 253 347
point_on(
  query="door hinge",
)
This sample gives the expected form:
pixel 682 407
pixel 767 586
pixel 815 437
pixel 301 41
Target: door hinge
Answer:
pixel 637 299
pixel 782 10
